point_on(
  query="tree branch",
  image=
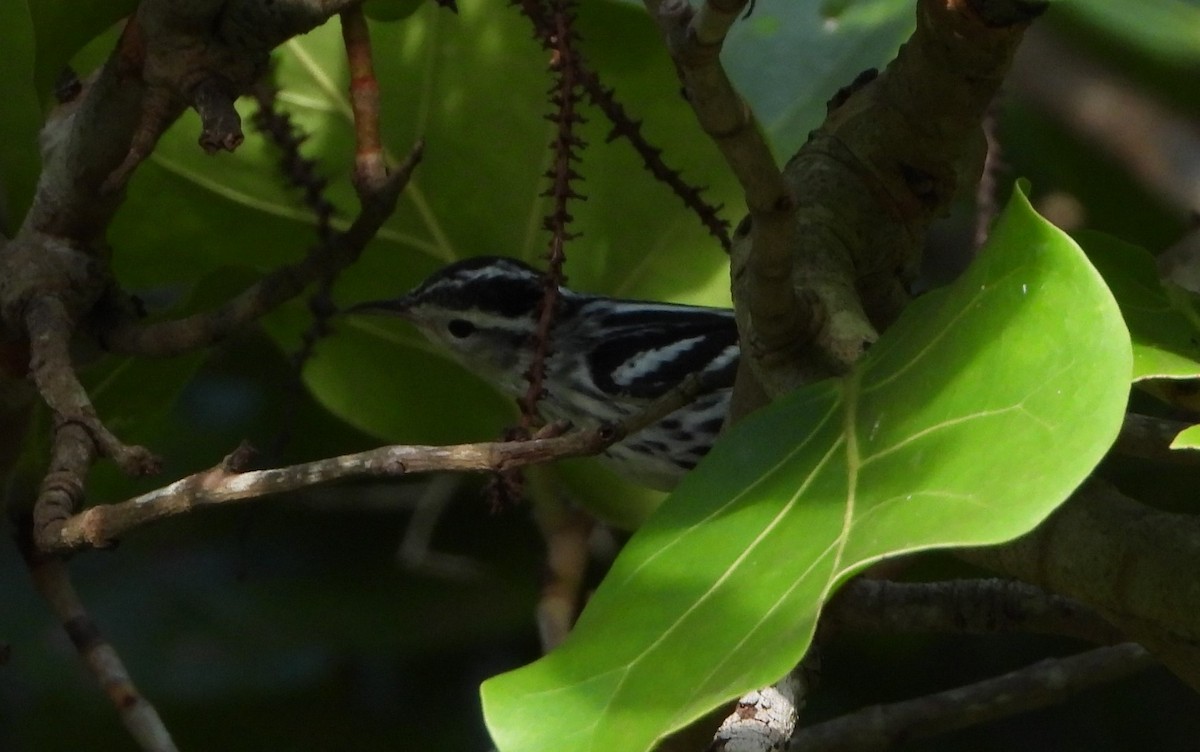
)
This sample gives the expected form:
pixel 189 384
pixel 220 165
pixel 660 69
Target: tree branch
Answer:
pixel 1044 683
pixel 1123 559
pixel 99 526
pixel 53 582
pixel 779 323
pixel 202 329
pixel 962 607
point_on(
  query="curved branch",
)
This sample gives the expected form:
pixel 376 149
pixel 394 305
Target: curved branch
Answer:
pixel 1044 683
pixel 962 607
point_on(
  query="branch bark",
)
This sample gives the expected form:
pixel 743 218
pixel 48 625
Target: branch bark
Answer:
pixel 1045 683
pixel 1122 558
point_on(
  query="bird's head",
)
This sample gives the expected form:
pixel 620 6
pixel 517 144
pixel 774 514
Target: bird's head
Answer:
pixel 482 310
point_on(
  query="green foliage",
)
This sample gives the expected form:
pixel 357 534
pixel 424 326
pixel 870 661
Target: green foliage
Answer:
pixel 969 422
pixel 1164 326
pixel 1165 29
pixel 22 118
pixel 391 10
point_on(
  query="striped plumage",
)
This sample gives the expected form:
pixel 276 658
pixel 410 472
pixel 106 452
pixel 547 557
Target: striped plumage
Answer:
pixel 608 357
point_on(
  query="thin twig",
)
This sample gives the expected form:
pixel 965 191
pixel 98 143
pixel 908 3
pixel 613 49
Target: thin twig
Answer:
pixel 1040 685
pixel 302 173
pixel 202 329
pixel 50 328
pixel 694 39
pixel 99 526
pixel 370 171
pixel 987 200
pixel 53 582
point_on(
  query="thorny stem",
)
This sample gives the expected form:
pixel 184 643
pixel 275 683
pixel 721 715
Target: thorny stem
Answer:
pixel 605 99
pixel 564 96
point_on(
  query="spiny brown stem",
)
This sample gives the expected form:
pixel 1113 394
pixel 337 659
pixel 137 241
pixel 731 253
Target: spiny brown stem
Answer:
pixel 298 170
pixel 564 96
pixel 624 126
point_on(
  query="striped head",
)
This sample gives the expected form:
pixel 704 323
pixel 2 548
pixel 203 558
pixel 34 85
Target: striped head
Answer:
pixel 482 310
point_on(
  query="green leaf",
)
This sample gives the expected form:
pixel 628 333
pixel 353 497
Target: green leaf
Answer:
pixel 789 58
pixel 1164 327
pixel 19 162
pixel 1166 29
pixel 62 27
pixel 975 416
pixel 1188 438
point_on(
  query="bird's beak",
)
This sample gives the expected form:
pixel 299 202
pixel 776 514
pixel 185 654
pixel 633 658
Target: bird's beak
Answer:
pixel 391 307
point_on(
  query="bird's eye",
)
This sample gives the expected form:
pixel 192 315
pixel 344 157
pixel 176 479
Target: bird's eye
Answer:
pixel 461 328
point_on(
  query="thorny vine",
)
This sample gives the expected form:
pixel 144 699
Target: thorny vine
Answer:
pixel 624 126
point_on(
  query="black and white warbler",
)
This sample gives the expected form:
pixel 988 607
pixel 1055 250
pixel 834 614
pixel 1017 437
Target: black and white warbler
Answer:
pixel 609 358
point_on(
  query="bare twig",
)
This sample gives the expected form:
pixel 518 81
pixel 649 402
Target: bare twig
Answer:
pixel 566 531
pixel 202 329
pixel 962 607
pixel 302 173
pixel 139 716
pixel 370 172
pixel 100 526
pixel 765 719
pixel 987 203
pixel 1044 683
pixel 212 99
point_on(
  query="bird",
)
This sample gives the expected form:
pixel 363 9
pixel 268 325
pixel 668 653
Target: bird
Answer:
pixel 608 357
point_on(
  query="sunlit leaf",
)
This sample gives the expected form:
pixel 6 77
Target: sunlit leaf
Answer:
pixel 969 422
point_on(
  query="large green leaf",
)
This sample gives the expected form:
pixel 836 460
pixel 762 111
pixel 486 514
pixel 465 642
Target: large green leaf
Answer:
pixel 970 421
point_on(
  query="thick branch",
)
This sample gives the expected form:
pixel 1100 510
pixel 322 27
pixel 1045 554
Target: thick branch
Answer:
pixel 1040 685
pixel 962 607
pixel 1122 558
pixel 779 321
